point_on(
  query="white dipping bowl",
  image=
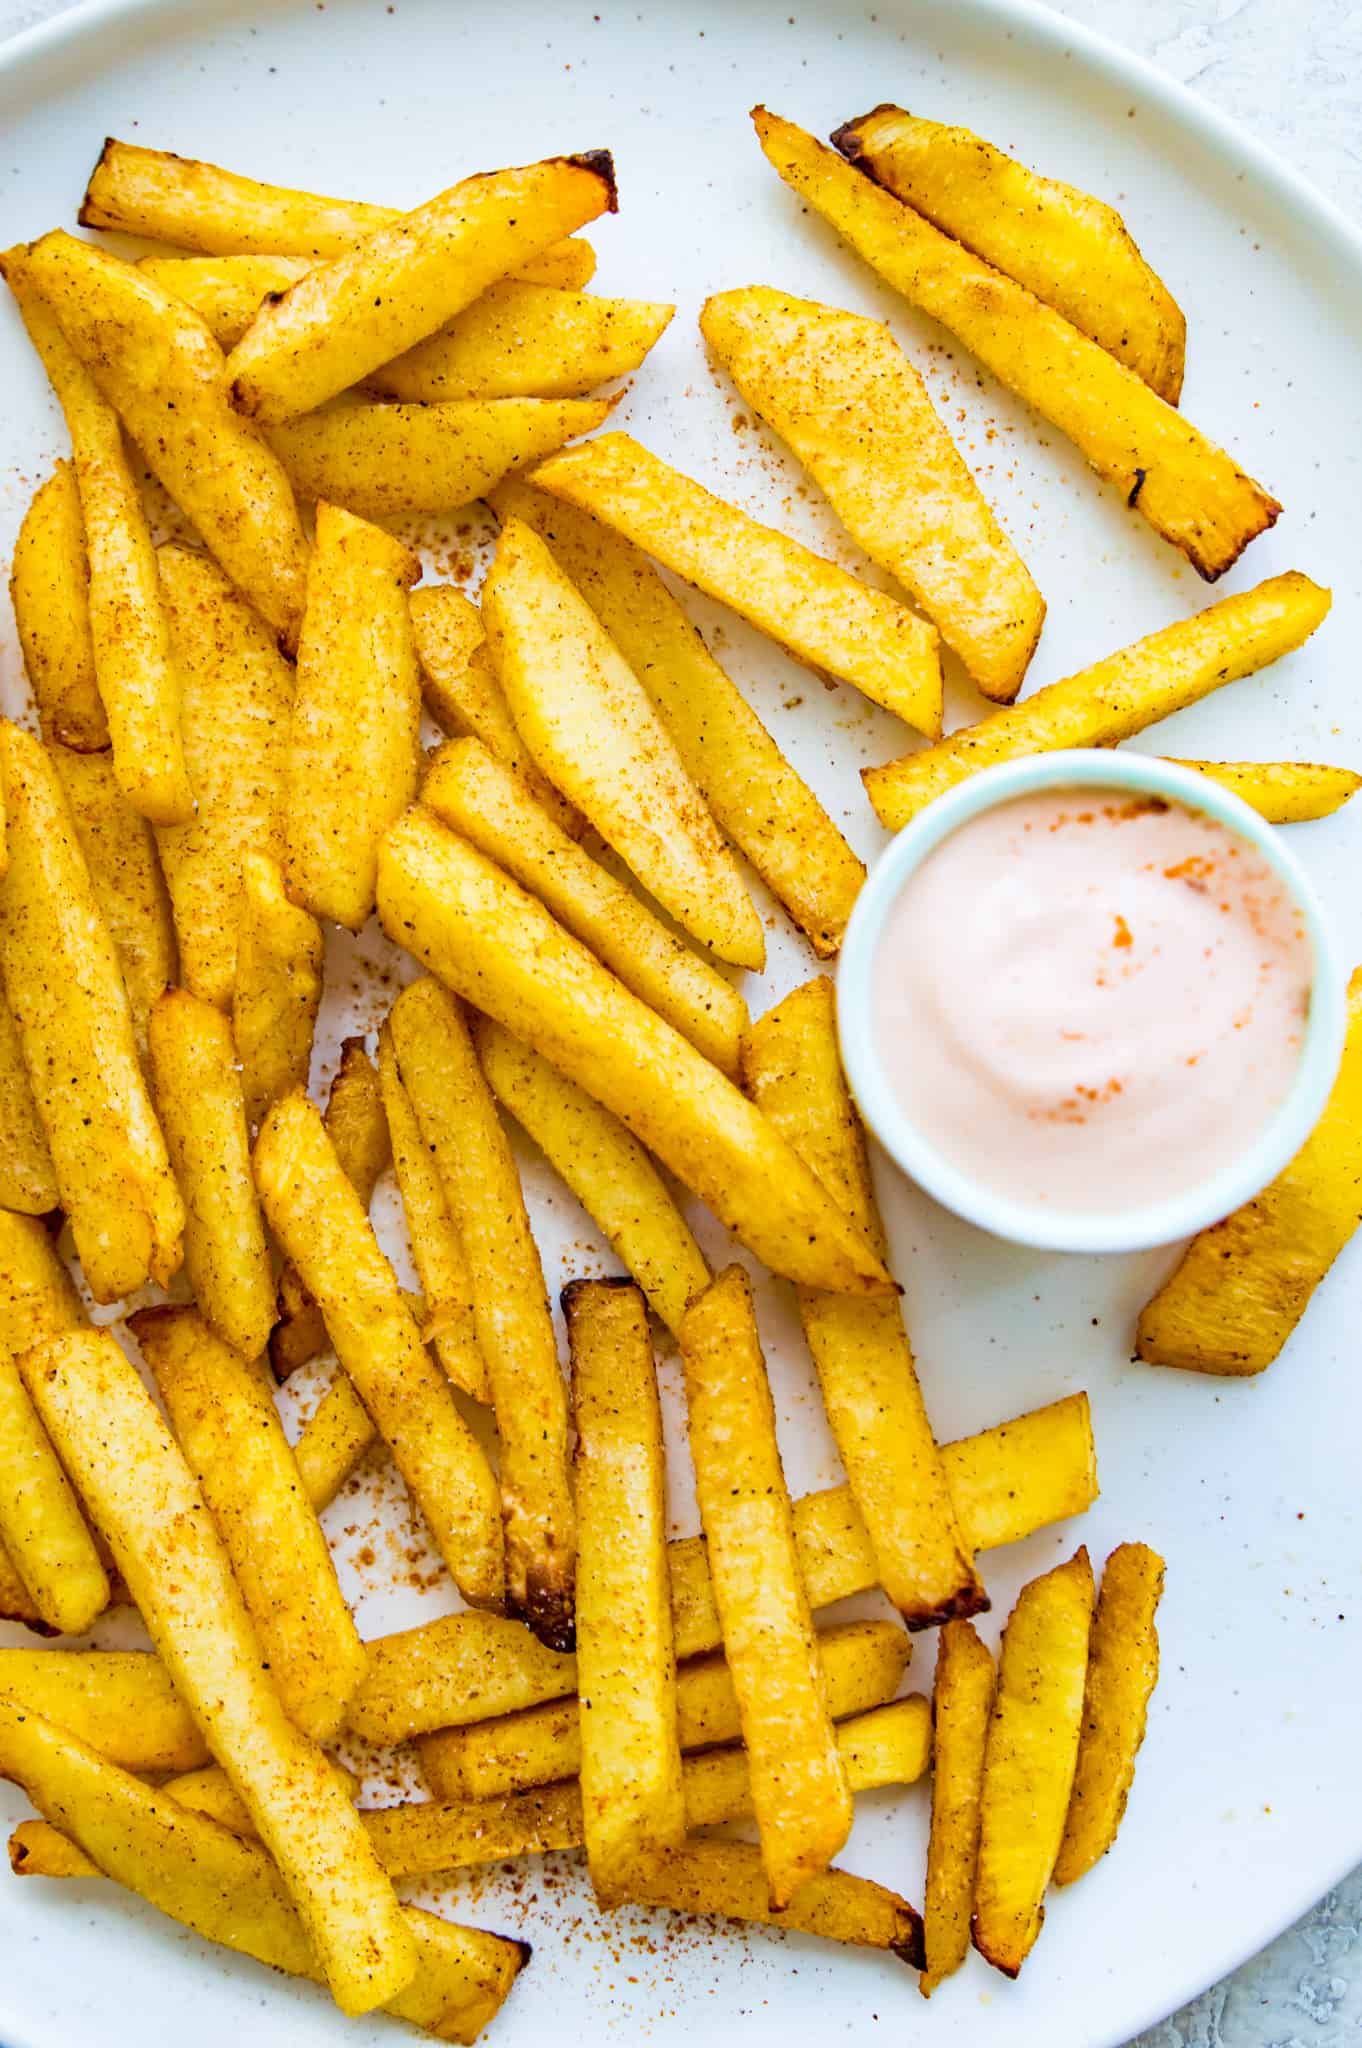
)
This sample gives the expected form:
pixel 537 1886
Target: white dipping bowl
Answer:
pixel 1265 1153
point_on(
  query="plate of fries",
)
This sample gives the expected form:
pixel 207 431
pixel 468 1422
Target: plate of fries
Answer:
pixel 514 1520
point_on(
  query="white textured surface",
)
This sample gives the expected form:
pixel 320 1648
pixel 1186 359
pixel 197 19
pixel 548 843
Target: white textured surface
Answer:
pixel 1290 70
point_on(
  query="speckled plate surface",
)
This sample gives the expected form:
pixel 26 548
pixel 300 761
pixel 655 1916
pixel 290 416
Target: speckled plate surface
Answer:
pixel 1248 1805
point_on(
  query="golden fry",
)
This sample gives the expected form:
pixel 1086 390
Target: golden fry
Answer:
pixel 28 1181
pixel 1149 680
pixel 1283 792
pixel 49 587
pixel 961 1705
pixel 526 341
pixel 120 1702
pixel 332 1442
pixel 1123 1669
pixel 278 988
pixel 464 1666
pixel 728 1879
pixel 225 291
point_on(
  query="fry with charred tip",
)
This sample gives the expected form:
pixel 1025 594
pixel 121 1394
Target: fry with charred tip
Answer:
pixel 278 987
pixel 826 617
pixel 728 1879
pixel 588 721
pixel 407 279
pixel 64 986
pixel 1283 792
pixel 160 369
pixel 1123 1669
pixel 633 1801
pixel 493 944
pixel 49 588
pixel 460 1125
pixel 793 1071
pixel 353 751
pixel 134 1480
pixel 228 1427
pixel 799 1788
pixel 962 1701
pixel 318 1219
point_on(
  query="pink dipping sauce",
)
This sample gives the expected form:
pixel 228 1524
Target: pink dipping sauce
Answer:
pixel 1092 1000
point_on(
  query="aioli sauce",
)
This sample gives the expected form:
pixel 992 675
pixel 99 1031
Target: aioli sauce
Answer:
pixel 1091 1000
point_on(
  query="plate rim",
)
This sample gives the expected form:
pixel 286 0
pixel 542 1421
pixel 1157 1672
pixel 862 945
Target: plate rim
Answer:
pixel 33 48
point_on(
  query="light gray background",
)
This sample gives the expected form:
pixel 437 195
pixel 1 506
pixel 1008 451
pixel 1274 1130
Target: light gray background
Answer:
pixel 1290 70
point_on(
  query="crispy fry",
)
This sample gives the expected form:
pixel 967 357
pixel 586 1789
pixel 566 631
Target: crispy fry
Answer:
pixel 1242 1286
pixel 589 723
pixel 839 390
pixel 135 671
pixel 961 1704
pixel 125 874
pixel 1123 1669
pixel 826 617
pixel 463 1666
pixel 1189 490
pixel 1149 680
pixel 1068 248
pixel 64 987
pixel 526 341
pixel 728 1879
pixel 861 1662
pixel 234 717
pixel 1029 1760
pixel 793 1072
pixel 767 811
pixel 608 1170
pixel 229 1430
pixel 492 943
pixel 278 987
pixel 210 1792
pixel 225 291
pixel 202 1875
pixel 405 280
pixel 28 1181
pixel 1022 1475
pixel 203 1113
pixel 120 1702
pixel 125 1463
pixel 384 460
pixel 436 1246
pixel 489 806
pixel 1283 792
pixel 459 1122
pixel 49 587
pixel 353 753
pixel 333 1441
pixel 633 1804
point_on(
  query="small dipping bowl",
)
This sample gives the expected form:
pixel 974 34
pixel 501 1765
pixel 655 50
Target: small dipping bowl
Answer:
pixel 1192 1208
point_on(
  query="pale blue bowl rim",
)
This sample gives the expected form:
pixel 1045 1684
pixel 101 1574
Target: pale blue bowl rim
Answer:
pixel 1148 1225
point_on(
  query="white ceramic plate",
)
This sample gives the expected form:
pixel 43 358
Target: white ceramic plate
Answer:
pixel 1248 1803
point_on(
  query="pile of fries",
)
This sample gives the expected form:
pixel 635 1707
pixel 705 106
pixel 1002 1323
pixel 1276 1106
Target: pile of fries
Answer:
pixel 230 759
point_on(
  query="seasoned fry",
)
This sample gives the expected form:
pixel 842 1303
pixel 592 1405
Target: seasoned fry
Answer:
pixel 49 587
pixel 589 723
pixel 384 460
pixel 1065 246
pixel 1189 490
pixel 728 1879
pixel 459 1122
pixel 229 1430
pixel 464 1666
pixel 793 1072
pixel 608 1170
pixel 229 1890
pixel 162 372
pixel 1029 1759
pixel 1022 1475
pixel 759 802
pixel 436 1246
pixel 135 672
pixel 826 617
pixel 124 1462
pixel 28 1181
pixel 203 1113
pixel 125 874
pixel 1283 792
pixel 840 391
pixel 333 1441
pixel 64 987
pixel 225 291
pixel 498 948
pixel 278 988
pixel 962 1702
pixel 405 280
pixel 1149 680
pixel 353 753
pixel 358 1128
pixel 120 1702
pixel 1242 1286
pixel 799 1788
pixel 209 1791
pixel 862 1663
pixel 234 718
pixel 526 341
pixel 322 1225
pixel 633 1804
pixel 489 806
pixel 1123 1669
